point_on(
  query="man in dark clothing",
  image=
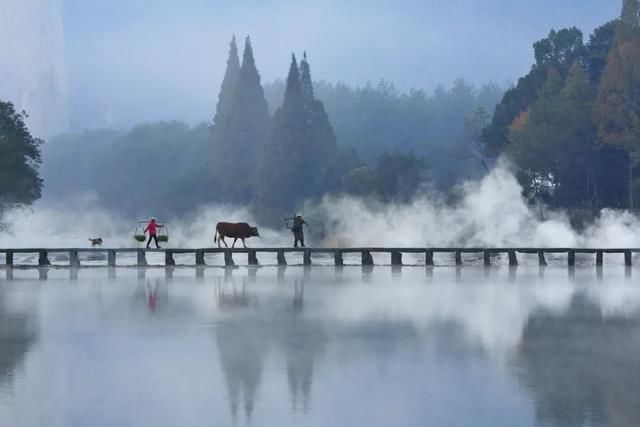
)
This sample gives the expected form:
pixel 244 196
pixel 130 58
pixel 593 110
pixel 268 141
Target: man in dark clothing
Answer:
pixel 297 229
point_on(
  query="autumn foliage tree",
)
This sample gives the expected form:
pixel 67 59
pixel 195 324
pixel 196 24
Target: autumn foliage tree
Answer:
pixel 572 125
pixel 617 108
pixel 554 143
pixel 559 50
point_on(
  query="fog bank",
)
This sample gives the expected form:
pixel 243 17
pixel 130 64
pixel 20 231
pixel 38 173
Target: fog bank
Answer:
pixel 489 213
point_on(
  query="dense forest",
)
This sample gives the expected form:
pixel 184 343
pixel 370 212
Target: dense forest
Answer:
pixel 570 127
pixel 274 147
pixel 375 119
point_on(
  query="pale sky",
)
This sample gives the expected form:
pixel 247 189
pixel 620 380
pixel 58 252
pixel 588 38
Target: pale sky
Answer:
pixel 134 60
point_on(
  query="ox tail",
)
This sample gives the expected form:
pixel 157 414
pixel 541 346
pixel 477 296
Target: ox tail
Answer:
pixel 215 235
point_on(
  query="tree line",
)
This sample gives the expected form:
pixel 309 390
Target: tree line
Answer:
pixel 385 137
pixel 274 146
pixel 377 119
pixel 572 124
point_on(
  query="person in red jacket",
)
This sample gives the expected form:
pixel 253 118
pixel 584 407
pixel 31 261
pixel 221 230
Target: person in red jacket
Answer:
pixel 152 229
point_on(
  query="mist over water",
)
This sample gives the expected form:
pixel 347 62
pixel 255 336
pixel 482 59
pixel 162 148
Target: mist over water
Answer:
pixel 489 213
pixel 295 348
pixel 72 224
pixel 151 339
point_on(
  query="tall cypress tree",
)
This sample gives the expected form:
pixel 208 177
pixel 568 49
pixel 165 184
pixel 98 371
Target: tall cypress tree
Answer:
pixel 305 80
pixel 319 141
pixel 244 130
pixel 228 83
pixel 276 180
pixel 218 131
pixel 300 150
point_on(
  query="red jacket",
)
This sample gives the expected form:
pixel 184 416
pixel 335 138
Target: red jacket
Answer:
pixel 152 228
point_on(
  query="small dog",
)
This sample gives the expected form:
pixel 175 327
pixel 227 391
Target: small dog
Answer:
pixel 96 242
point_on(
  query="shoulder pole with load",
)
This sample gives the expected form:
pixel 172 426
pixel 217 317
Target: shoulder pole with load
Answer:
pixel 286 221
pixel 139 233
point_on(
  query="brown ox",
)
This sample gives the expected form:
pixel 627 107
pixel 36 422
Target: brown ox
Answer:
pixel 236 231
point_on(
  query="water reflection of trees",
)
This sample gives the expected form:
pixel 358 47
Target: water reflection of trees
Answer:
pixel 303 340
pixel 17 335
pixel 299 331
pixel 242 347
pixel 384 338
pixel 582 367
pixel 230 297
pixel 244 339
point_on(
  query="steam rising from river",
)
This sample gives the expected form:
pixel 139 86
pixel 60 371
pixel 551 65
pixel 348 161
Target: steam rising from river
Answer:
pixel 71 225
pixel 490 212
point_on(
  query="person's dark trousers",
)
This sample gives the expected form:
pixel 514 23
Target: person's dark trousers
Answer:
pixel 155 238
pixel 298 237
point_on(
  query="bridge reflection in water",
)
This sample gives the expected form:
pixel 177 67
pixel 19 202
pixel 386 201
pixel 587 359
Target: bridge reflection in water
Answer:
pixel 327 346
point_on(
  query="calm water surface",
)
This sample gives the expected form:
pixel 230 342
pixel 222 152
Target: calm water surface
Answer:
pixel 320 347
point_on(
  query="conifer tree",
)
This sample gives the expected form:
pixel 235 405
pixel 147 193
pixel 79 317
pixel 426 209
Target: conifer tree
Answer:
pixel 277 180
pixel 244 129
pixel 228 83
pixel 218 131
pixel 300 153
pixel 293 95
pixel 320 141
pixel 305 80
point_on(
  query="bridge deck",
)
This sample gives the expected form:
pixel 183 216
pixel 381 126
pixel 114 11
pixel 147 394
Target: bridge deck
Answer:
pixel 365 252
